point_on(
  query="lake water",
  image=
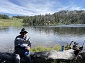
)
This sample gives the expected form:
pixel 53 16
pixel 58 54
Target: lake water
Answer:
pixel 43 35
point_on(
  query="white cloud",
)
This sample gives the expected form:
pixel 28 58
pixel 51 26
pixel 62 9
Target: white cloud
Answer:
pixel 70 6
pixel 8 7
pixel 33 7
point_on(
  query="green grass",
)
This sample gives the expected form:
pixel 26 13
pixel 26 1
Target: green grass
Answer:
pixel 43 48
pixel 10 22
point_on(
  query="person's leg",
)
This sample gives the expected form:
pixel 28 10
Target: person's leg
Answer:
pixel 28 59
pixel 17 58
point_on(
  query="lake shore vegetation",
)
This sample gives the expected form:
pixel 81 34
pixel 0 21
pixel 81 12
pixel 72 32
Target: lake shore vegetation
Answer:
pixel 10 22
pixel 45 48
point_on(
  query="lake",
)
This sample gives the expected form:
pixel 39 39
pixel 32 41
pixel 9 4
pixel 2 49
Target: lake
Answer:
pixel 43 35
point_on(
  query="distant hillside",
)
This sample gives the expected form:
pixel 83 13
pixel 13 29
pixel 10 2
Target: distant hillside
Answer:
pixel 61 17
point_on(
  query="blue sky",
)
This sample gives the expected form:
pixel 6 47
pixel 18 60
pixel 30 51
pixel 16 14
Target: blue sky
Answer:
pixel 37 7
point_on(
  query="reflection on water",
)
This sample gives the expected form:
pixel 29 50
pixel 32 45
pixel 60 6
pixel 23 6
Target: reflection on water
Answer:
pixel 62 30
pixel 47 36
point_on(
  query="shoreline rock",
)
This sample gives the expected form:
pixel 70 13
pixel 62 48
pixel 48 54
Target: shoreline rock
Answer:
pixel 37 57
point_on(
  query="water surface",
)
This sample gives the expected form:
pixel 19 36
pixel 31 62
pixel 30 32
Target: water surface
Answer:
pixel 43 35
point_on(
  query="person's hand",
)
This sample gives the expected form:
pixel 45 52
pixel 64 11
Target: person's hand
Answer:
pixel 28 48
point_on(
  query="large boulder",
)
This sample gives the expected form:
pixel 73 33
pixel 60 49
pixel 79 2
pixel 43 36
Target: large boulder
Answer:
pixel 7 58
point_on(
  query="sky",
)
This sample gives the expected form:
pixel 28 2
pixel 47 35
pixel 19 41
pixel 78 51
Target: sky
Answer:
pixel 37 7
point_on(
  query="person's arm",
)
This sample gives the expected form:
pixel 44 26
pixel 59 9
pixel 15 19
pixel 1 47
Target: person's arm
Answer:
pixel 19 42
pixel 29 45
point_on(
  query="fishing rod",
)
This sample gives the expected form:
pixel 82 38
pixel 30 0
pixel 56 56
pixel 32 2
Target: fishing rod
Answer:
pixel 28 38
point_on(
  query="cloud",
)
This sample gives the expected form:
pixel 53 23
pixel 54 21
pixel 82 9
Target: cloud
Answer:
pixel 69 5
pixel 8 7
pixel 35 7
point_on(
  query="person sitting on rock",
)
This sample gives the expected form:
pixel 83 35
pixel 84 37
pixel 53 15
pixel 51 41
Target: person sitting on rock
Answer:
pixel 22 47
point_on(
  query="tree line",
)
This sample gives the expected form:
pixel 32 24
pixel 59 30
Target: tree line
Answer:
pixel 3 16
pixel 61 17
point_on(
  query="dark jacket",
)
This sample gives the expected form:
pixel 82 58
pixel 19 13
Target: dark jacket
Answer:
pixel 19 43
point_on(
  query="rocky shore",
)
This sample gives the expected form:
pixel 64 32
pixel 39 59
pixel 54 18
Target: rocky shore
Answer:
pixel 40 57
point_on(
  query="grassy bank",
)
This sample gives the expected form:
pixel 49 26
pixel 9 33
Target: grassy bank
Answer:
pixel 43 48
pixel 10 22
